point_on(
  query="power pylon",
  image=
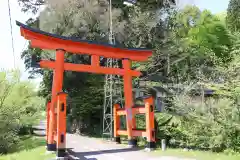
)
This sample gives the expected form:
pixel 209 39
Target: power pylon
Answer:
pixel 112 87
pixel 113 91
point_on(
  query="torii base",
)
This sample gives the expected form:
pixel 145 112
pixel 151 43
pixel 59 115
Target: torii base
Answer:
pixel 51 147
pixel 61 153
pixel 132 143
pixel 150 146
pixel 117 140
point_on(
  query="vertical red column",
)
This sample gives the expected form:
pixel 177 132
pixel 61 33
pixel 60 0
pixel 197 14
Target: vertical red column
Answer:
pixel 149 106
pixel 56 87
pixel 95 61
pixel 134 123
pixel 61 124
pixel 127 79
pixel 48 118
pixel 116 120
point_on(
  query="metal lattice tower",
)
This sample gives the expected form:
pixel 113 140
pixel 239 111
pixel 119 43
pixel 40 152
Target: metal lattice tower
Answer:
pixel 113 91
pixel 112 87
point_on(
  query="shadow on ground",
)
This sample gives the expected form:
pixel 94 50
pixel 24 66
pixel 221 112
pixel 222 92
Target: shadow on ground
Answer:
pixel 81 155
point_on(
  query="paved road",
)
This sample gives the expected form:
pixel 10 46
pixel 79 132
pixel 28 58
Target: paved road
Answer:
pixel 85 148
pixel 95 149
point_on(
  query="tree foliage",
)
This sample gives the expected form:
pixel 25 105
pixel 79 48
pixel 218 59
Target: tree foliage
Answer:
pixel 233 14
pixel 31 5
pixel 214 124
pixel 34 5
pixel 197 41
pixel 20 107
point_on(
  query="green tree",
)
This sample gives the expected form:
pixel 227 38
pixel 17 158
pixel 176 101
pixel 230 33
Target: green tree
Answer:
pixel 214 123
pixel 20 107
pixel 233 14
pixel 31 5
pixel 197 42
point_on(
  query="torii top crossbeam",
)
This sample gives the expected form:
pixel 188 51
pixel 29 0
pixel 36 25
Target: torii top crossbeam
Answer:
pixel 41 39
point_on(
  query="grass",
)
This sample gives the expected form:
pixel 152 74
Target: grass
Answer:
pixel 198 155
pixel 29 148
pixel 30 142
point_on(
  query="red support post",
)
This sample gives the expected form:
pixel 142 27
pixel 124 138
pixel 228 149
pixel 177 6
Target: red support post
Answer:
pixel 48 118
pixel 127 79
pixel 61 124
pixel 56 87
pixel 150 130
pixel 134 123
pixel 116 120
pixel 95 61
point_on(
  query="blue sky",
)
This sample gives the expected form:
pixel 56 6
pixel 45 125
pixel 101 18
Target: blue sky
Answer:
pixel 214 6
pixel 6 60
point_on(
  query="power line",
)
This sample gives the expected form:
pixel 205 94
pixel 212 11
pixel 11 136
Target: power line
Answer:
pixel 10 20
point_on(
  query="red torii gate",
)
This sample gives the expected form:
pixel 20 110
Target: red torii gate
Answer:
pixel 56 121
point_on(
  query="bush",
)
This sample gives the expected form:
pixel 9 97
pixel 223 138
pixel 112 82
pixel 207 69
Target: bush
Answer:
pixel 210 125
pixel 20 107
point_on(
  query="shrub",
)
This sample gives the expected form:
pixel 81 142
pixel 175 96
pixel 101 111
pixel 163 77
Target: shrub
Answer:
pixel 19 107
pixel 212 124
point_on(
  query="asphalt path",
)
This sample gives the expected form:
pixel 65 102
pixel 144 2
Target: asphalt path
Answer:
pixel 87 148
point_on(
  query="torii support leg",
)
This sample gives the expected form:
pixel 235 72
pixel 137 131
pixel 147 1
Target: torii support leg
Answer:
pixel 61 124
pixel 134 123
pixel 127 79
pixel 48 118
pixel 151 140
pixel 56 87
pixel 116 125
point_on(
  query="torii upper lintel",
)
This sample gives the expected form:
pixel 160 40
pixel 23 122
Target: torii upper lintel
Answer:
pixel 45 40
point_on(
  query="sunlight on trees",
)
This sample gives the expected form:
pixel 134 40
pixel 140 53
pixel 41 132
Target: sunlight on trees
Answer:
pixel 20 107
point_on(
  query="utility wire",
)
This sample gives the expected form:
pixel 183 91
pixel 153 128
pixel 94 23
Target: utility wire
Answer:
pixel 10 21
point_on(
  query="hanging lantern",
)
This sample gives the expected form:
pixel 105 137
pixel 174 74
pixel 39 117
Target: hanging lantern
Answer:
pixel 130 2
